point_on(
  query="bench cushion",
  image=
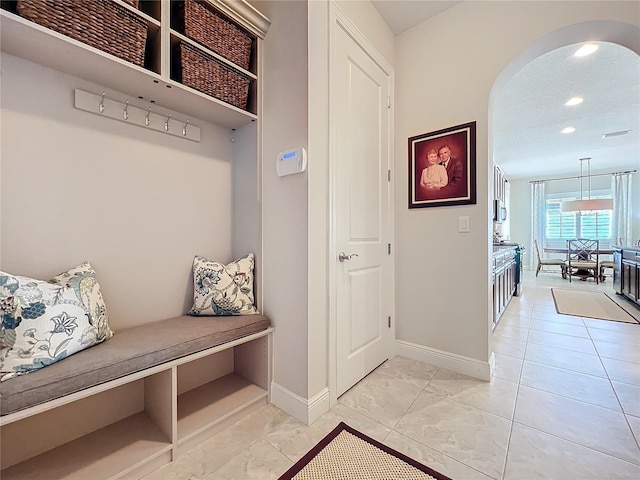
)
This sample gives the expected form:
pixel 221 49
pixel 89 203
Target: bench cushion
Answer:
pixel 128 351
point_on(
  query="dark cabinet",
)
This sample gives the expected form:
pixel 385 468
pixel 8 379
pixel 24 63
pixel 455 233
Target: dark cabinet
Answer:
pixel 630 280
pixel 626 274
pixel 504 278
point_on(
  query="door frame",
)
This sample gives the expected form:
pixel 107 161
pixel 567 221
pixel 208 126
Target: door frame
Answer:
pixel 337 19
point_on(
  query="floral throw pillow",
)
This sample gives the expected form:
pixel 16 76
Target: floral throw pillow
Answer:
pixel 220 289
pixel 44 322
pixel 84 281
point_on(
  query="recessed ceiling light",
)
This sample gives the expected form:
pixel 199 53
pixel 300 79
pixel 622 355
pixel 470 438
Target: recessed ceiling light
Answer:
pixel 568 130
pixel 586 49
pixel 615 134
pixel 574 101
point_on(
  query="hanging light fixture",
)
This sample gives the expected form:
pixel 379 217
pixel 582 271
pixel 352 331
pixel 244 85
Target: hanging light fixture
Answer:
pixel 586 204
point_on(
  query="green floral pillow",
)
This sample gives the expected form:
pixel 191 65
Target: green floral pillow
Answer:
pixel 220 289
pixel 44 322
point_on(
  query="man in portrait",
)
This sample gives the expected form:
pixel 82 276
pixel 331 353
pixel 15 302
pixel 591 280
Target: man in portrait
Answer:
pixel 455 173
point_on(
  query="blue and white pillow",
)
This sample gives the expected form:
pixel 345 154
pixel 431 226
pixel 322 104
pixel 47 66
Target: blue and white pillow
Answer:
pixel 220 289
pixel 44 322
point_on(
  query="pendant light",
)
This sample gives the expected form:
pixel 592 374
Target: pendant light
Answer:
pixel 586 204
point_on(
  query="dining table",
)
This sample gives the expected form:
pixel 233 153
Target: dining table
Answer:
pixel 581 273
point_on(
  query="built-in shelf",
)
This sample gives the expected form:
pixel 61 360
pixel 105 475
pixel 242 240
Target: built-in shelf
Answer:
pixel 136 424
pixel 25 39
pixel 111 451
pixel 201 408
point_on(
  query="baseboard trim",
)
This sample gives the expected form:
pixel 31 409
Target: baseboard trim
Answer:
pixel 305 410
pixel 451 361
pixel 319 405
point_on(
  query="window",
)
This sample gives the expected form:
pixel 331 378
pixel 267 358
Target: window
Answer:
pixel 560 226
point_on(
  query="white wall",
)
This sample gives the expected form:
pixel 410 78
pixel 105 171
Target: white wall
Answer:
pixel 318 207
pixel 635 217
pixel 285 219
pixel 137 204
pixel 445 70
pixel 246 205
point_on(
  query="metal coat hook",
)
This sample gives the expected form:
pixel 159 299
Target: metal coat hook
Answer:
pixel 125 110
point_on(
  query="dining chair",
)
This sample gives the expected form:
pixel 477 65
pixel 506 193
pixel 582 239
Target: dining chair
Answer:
pixel 583 258
pixel 559 262
pixel 604 264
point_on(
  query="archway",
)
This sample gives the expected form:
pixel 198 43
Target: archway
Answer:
pixel 615 37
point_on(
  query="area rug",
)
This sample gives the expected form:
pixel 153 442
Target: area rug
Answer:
pixel 595 305
pixel 347 454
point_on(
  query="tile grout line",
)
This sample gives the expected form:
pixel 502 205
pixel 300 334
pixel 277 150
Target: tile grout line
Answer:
pixel 515 403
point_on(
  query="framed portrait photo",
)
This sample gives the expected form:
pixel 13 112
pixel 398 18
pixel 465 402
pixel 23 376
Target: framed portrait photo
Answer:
pixel 442 167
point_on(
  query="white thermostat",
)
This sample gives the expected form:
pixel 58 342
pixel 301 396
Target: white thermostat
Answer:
pixel 291 161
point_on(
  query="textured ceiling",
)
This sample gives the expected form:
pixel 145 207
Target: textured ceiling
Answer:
pixel 529 111
pixel 529 114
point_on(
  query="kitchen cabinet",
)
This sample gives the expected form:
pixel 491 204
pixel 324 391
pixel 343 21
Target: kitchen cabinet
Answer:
pixel 499 185
pixel 153 82
pixel 505 279
pixel 626 275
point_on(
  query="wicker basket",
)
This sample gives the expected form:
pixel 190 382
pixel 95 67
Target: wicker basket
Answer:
pixel 211 29
pixel 208 75
pixel 103 24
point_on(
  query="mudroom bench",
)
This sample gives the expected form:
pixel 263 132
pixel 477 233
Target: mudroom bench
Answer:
pixel 123 408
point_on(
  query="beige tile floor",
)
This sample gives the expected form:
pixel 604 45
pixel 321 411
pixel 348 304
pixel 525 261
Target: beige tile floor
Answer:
pixel 564 404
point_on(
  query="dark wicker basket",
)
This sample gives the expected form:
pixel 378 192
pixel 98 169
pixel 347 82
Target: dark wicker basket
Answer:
pixel 211 29
pixel 208 75
pixel 103 24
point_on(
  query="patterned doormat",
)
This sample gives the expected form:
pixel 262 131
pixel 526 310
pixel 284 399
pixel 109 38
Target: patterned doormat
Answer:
pixel 347 454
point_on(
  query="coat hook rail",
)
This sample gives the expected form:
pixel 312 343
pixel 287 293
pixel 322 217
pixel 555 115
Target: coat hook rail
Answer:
pixel 144 117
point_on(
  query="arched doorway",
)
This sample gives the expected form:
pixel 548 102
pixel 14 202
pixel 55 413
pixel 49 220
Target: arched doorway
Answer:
pixel 526 112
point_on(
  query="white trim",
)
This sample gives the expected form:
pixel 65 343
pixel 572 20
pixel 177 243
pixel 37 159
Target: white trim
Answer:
pixel 451 361
pixel 318 405
pixel 244 13
pixel 305 410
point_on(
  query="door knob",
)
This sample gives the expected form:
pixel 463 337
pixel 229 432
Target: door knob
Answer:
pixel 343 256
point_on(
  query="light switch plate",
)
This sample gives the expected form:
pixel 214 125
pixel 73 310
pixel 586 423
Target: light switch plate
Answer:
pixel 463 224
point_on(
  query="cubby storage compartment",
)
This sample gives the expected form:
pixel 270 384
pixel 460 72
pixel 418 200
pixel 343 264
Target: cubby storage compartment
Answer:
pixel 213 392
pixel 199 21
pixel 197 69
pixel 114 27
pixel 154 78
pixel 123 430
pixel 213 54
pixel 129 427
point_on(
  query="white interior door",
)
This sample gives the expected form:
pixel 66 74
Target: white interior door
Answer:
pixel 360 119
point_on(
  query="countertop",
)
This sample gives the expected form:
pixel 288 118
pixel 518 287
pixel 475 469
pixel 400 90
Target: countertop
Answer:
pixel 626 248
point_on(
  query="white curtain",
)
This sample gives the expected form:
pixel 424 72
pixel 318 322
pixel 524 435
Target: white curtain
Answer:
pixel 537 221
pixel 621 217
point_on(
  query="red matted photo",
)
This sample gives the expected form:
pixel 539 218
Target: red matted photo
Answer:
pixel 442 167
